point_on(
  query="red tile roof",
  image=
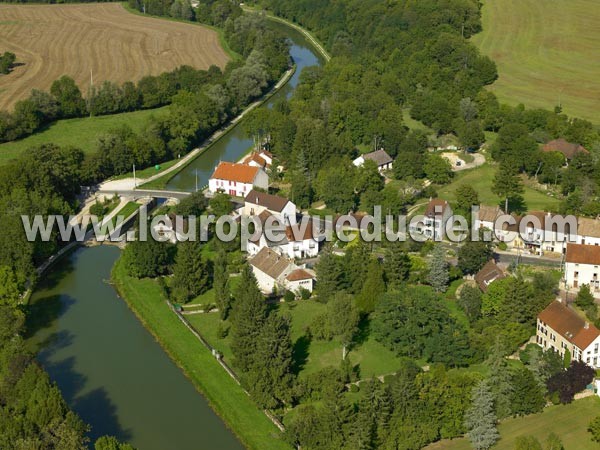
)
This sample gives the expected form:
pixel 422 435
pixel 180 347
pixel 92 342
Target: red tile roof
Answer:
pixel 436 207
pixel 566 148
pixel 488 274
pixel 583 254
pixel 295 233
pixel 235 172
pixel 256 158
pixel 299 274
pixel 569 325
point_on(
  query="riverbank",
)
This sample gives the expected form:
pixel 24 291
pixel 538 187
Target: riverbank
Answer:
pixel 307 34
pixel 145 298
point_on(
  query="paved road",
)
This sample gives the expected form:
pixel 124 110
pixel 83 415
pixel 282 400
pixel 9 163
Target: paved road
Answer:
pixel 531 260
pixel 146 193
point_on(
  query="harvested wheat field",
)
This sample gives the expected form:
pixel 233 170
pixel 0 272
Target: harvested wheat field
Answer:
pixel 100 39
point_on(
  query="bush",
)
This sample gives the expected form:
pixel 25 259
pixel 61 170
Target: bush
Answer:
pixel 289 296
pixel 98 209
pixel 594 429
pixel 305 293
pixel 222 331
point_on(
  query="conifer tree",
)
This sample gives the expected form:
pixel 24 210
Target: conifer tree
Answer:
pixel 480 419
pixel 396 265
pixel 221 285
pixel 372 289
pixel 438 269
pixel 190 273
pixel 500 381
pixel 269 379
pixel 248 316
pixel 329 275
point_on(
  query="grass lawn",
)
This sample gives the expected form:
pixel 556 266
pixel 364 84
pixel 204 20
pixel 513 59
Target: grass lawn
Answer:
pixel 82 133
pixel 482 178
pixel 126 211
pixel 414 124
pixel 311 356
pixel 546 53
pixel 569 422
pixel 148 171
pixel 228 400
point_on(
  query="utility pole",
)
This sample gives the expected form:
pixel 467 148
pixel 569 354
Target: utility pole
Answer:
pixel 91 92
pixel 134 180
pixel 196 180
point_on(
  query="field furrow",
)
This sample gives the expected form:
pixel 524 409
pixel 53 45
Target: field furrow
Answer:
pixel 104 39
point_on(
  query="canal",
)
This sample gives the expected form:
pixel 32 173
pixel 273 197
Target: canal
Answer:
pixel 235 143
pixel 109 368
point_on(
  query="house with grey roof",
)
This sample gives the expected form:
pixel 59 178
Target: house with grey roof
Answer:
pixel 379 157
pixel 277 273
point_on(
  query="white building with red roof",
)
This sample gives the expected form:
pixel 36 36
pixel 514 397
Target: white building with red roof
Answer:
pixel 559 328
pixel 262 159
pixel 582 266
pixel 236 179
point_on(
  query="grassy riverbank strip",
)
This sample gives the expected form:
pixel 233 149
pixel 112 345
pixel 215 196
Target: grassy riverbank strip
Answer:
pixel 145 298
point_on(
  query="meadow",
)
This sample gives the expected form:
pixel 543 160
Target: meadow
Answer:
pixel 82 133
pixel 482 179
pixel 546 53
pixel 569 422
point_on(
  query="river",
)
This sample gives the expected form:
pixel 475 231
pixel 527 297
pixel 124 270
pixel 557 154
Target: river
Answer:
pixel 107 365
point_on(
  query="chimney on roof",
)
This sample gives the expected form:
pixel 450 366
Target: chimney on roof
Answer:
pixel 430 198
pixel 586 326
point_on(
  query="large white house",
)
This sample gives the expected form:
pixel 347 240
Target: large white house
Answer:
pixel 559 328
pixel 275 273
pixel 486 217
pixel 257 202
pixel 433 224
pixel 582 266
pixel 237 180
pixel 295 241
pixel 539 232
pixel 588 231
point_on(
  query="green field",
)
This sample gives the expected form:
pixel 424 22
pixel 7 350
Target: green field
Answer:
pixel 546 52
pixel 81 133
pixel 372 358
pixel 482 178
pixel 569 422
pixel 228 399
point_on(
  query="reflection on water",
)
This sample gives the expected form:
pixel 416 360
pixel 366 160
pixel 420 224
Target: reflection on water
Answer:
pixel 109 368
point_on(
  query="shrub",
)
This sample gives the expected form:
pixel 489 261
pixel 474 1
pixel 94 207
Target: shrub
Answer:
pixel 98 209
pixel 305 293
pixel 289 296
